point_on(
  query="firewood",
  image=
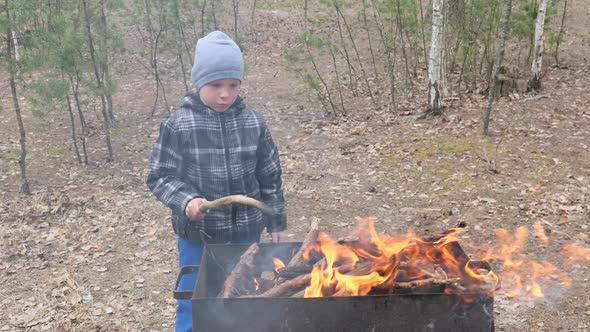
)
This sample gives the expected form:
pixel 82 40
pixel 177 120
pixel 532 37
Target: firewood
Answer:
pixel 290 286
pixel 424 283
pixel 311 237
pixel 302 281
pixel 446 232
pixel 291 272
pixel 243 269
pixel 361 268
pixel 299 294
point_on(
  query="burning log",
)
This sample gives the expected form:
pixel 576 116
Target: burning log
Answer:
pixel 311 237
pixel 243 269
pixel 290 286
pixel 291 272
pixel 425 283
pixel 298 284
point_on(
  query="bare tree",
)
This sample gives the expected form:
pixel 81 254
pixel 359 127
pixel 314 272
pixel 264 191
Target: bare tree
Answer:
pixel 388 51
pixel 368 30
pixel 11 62
pixel 535 82
pixel 104 63
pixel 560 34
pixel 236 8
pixel 494 78
pixel 356 51
pixel 99 81
pixel 82 119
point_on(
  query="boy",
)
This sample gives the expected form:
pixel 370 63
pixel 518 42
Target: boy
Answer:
pixel 214 146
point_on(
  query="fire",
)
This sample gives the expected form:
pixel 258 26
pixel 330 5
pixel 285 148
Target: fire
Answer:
pixel 256 284
pixel 575 253
pixel 383 264
pixel 540 232
pixel 278 264
pixel 522 276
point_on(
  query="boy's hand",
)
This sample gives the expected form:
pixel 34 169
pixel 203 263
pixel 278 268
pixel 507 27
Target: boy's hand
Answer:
pixel 277 237
pixel 192 209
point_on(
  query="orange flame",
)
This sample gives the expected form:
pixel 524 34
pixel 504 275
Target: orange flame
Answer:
pixel 540 232
pixel 575 253
pixel 256 284
pixel 522 276
pixel 380 260
pixel 278 264
pixel 379 263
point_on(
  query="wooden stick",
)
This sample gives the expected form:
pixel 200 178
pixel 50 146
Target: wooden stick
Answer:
pixel 242 269
pixel 293 285
pixel 240 199
pixel 293 271
pixel 311 237
pixel 424 283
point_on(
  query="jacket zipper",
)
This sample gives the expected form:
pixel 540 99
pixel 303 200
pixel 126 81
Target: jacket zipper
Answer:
pixel 227 166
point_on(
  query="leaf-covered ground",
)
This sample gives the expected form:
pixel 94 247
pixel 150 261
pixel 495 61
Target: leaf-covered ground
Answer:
pixel 91 249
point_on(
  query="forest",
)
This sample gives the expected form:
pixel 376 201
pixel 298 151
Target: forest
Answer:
pixel 419 114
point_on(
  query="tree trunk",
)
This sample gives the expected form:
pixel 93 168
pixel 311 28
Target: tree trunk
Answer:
pixel 105 64
pixel 435 64
pixel 213 15
pixel 390 64
pixel 535 82
pixel 494 78
pixel 368 30
pixel 83 126
pixel 157 76
pixel 153 40
pixel 423 33
pixel 559 36
pixel 356 51
pixel 351 70
pixel 236 7
pixel 24 188
pixel 443 49
pixel 99 82
pixel 203 10
pixel 252 22
pixel 73 122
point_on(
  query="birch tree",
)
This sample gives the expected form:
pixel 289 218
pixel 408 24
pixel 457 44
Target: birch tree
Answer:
pixel 535 82
pixel 435 86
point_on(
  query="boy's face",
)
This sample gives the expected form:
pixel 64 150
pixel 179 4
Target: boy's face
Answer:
pixel 220 94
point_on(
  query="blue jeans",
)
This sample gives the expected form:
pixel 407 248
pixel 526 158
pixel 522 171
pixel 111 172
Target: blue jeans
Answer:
pixel 190 254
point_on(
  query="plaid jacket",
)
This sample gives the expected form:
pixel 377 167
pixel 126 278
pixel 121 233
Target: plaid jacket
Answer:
pixel 203 153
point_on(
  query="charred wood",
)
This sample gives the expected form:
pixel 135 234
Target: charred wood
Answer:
pixel 311 237
pixel 243 269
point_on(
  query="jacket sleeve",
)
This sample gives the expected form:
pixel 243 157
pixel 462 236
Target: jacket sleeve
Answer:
pixel 268 173
pixel 166 166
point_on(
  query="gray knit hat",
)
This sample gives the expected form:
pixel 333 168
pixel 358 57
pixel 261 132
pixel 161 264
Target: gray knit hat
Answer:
pixel 217 57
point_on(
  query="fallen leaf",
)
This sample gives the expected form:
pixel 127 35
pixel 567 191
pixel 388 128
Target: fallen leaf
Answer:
pixel 563 219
